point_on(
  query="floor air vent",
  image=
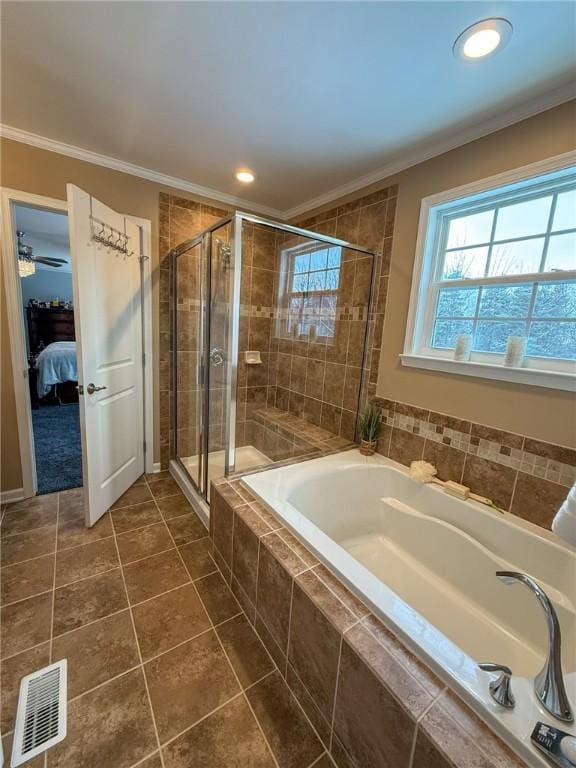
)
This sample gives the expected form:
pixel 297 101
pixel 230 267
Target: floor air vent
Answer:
pixel 41 716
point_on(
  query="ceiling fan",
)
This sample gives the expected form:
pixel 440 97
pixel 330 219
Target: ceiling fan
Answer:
pixel 25 253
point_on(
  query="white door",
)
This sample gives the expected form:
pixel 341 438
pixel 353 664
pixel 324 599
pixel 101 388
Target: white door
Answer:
pixel 108 322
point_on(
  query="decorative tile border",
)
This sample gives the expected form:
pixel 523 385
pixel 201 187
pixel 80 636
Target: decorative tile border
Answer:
pixel 518 458
pixel 348 672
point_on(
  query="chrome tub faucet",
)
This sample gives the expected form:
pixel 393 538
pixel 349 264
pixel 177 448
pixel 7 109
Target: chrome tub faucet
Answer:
pixel 549 682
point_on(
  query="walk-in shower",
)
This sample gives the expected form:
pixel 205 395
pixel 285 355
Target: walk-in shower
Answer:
pixel 268 340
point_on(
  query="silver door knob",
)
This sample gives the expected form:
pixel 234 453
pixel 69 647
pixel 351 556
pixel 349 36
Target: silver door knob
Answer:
pixel 91 388
pixel 500 688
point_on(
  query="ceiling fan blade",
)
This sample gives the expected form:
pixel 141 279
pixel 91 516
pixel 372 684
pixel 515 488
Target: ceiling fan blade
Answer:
pixel 49 262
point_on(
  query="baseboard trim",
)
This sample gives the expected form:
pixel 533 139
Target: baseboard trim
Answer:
pixel 16 494
pixel 156 467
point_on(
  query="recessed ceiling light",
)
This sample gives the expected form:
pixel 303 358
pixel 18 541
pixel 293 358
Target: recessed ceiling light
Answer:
pixel 483 38
pixel 246 177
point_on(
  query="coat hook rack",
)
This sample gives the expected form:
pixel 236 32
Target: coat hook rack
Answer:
pixel 109 237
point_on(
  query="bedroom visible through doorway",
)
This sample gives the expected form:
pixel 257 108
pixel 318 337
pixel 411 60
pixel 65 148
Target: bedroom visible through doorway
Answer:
pixel 44 270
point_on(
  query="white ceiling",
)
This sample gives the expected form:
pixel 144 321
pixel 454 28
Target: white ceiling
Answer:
pixel 46 232
pixel 310 95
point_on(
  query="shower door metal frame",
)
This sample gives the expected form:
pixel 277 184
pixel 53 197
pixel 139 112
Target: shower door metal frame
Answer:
pixel 204 239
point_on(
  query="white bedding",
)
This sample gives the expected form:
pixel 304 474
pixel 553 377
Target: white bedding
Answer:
pixel 56 364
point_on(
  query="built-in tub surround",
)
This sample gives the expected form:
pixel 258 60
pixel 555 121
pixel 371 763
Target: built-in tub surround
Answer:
pixel 348 670
pixel 527 477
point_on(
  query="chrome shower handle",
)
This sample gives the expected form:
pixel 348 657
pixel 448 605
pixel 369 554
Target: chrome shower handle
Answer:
pixel 217 357
pixel 500 688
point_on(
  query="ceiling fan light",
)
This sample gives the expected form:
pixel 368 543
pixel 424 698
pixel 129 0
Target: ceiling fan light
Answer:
pixel 26 268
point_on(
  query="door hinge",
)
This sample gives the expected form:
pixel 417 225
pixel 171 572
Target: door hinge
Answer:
pixel 144 446
pixel 143 359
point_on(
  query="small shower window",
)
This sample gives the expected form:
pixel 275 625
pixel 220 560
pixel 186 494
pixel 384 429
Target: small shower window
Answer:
pixel 308 295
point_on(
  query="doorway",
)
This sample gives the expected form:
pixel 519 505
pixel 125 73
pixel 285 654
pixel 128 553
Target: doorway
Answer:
pixel 56 416
pixel 45 276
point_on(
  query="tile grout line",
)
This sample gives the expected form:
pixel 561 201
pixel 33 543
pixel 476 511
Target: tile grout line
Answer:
pixel 139 649
pixel 50 649
pixel 336 692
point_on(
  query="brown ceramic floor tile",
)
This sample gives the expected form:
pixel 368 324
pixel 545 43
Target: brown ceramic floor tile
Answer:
pixel 139 515
pixel 156 574
pixel 217 598
pixel 187 683
pixel 86 560
pixel 26 579
pixel 24 546
pixel 46 501
pixel 71 503
pixel 229 738
pixel 173 506
pixel 197 559
pixel 289 733
pixel 25 624
pixel 170 619
pixel 88 600
pixel 186 528
pixel 244 648
pixel 36 762
pixel 152 762
pixel 111 726
pixel 72 531
pixel 95 653
pixel 11 672
pixel 166 486
pixel 144 542
pixel 137 494
pixel 23 520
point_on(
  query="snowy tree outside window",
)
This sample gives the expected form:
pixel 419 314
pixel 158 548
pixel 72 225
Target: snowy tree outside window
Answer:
pixel 497 263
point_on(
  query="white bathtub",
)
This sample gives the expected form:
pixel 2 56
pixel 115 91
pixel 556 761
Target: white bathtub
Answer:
pixel 425 563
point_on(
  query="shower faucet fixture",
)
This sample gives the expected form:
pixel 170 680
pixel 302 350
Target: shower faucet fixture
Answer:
pixel 549 682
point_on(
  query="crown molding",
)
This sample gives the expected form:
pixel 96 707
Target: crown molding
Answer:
pixel 521 112
pixel 78 153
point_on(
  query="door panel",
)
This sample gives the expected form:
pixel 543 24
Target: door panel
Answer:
pixel 108 311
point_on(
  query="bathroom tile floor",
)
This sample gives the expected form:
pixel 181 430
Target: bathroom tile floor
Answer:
pixel 164 670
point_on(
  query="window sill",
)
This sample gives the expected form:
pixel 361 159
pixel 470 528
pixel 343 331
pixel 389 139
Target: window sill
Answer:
pixel 530 376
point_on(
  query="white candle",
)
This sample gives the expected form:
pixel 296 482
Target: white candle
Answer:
pixel 463 346
pixel 515 351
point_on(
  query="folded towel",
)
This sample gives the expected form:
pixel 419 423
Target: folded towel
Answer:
pixel 564 523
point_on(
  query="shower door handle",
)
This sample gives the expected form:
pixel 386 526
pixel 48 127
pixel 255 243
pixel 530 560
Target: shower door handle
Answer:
pixel 217 357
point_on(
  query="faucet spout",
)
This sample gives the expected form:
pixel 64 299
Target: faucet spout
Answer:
pixel 549 682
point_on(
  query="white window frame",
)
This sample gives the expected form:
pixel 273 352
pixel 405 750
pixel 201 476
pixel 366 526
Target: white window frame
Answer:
pixel 288 257
pixel 538 371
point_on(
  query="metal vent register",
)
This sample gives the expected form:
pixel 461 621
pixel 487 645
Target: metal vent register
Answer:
pixel 41 716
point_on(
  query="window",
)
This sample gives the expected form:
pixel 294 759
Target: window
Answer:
pixel 497 263
pixel 310 295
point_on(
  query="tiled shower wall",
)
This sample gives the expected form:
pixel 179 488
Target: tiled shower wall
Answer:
pixel 527 477
pixel 319 382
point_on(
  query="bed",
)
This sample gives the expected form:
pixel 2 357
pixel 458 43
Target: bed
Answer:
pixel 56 364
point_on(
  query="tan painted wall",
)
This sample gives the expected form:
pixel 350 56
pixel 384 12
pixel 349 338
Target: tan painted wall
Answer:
pixel 545 414
pixel 28 169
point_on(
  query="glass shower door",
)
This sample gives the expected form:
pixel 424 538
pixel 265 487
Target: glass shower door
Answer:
pixel 221 362
pixel 189 325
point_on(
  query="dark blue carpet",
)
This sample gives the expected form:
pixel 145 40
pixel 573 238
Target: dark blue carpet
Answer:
pixel 57 447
